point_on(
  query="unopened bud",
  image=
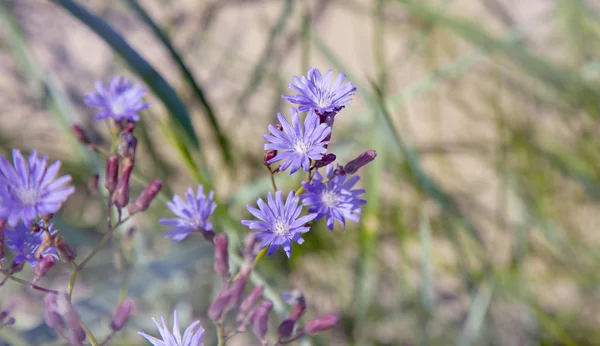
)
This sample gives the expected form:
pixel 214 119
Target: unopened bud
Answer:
pixel 52 317
pixel 360 161
pixel 122 315
pixel 260 319
pixel 93 184
pixel 72 317
pixel 221 263
pixel 80 135
pixel 321 324
pixel 249 301
pixel 237 291
pixel 120 197
pixel 112 173
pixel 269 154
pixel 127 146
pixel 286 328
pixel 67 252
pixel 129 127
pixel 325 160
pixel 218 307
pixel 147 196
pixel 43 267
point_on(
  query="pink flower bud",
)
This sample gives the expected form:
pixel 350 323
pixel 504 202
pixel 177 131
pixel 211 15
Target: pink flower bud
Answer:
pixel 322 323
pixel 129 127
pixel 260 318
pixel 72 317
pixel 221 262
pixel 249 301
pixel 218 307
pixel 52 317
pixel 122 315
pixel 120 197
pixel 112 173
pixel 269 154
pixel 43 267
pixel 143 201
pixel 325 160
pixel 286 328
pixel 80 135
pixel 361 160
pixel 237 291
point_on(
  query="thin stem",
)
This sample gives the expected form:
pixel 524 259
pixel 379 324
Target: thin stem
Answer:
pixel 26 283
pixel 88 333
pixel 272 178
pixel 108 338
pixel 102 242
pixel 72 281
pixel 221 339
pixel 285 342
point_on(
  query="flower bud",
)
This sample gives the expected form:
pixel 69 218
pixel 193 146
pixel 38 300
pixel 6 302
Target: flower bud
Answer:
pixel 269 154
pixel 43 267
pixel 52 317
pixel 112 173
pixel 120 197
pixel 260 318
pixel 80 135
pixel 93 184
pixel 325 160
pixel 16 267
pixel 322 323
pixel 286 328
pixel 217 308
pixel 221 263
pixel 147 196
pixel 3 315
pixel 67 252
pixel 360 161
pixel 122 315
pixel 72 317
pixel 129 127
pixel 237 291
pixel 249 301
pixel 127 146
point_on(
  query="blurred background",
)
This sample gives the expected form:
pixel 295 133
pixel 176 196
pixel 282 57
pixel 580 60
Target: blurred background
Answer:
pixel 482 215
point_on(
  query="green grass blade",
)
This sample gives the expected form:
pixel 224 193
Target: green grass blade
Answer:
pixel 476 316
pixel 189 78
pixel 138 64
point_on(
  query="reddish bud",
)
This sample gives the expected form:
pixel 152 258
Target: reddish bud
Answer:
pixel 286 328
pixel 127 146
pixel 43 267
pixel 249 301
pixel 269 154
pixel 112 173
pixel 260 318
pixel 80 135
pixel 122 315
pixel 129 127
pixel 93 184
pixel 52 317
pixel 16 267
pixel 279 127
pixel 218 307
pixel 221 263
pixel 237 290
pixel 322 323
pixel 327 159
pixel 72 317
pixel 120 197
pixel 143 201
pixel 360 161
pixel 67 252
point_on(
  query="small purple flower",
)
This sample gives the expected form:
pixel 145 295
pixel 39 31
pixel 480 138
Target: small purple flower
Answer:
pixel 121 100
pixel 295 145
pixel 191 337
pixel 29 189
pixel 25 243
pixel 191 216
pixel 334 198
pixel 279 222
pixel 317 93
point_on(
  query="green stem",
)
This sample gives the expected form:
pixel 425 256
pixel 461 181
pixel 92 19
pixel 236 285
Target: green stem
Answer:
pixel 25 283
pixel 88 333
pixel 72 281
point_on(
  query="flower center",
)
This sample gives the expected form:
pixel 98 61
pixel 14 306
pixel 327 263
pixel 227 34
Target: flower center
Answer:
pixel 300 147
pixel 329 198
pixel 280 227
pixel 27 196
pixel 117 106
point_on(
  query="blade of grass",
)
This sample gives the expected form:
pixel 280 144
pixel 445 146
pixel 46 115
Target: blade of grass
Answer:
pixel 138 64
pixel 427 294
pixel 189 78
pixel 476 316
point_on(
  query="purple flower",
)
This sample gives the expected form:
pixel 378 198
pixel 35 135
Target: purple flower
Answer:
pixel 29 189
pixel 317 93
pixel 333 198
pixel 295 145
pixel 191 216
pixel 121 100
pixel 279 222
pixel 191 337
pixel 25 243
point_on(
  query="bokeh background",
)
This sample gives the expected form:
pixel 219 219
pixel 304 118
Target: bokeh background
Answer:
pixel 483 214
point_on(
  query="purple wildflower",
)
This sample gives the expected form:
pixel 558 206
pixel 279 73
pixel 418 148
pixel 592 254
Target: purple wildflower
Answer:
pixel 25 243
pixel 191 337
pixel 191 216
pixel 317 93
pixel 29 189
pixel 121 100
pixel 295 145
pixel 333 198
pixel 279 222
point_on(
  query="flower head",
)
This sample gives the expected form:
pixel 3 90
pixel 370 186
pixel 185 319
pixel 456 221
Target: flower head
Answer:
pixel 317 93
pixel 121 100
pixel 191 337
pixel 279 222
pixel 29 189
pixel 26 243
pixel 192 215
pixel 333 199
pixel 295 145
